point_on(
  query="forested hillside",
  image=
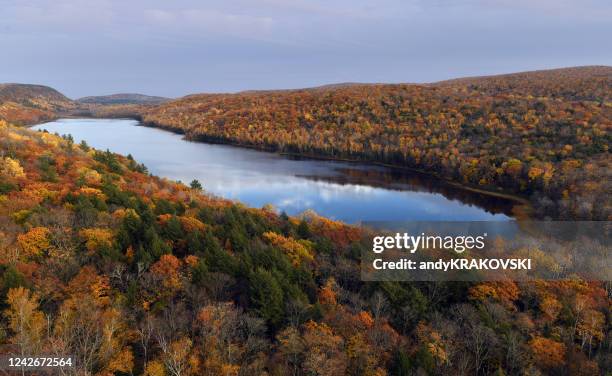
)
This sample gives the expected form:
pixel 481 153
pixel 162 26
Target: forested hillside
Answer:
pixel 544 135
pixel 123 99
pixel 23 104
pixel 134 274
pixel 573 84
pixel 118 105
pixel 30 104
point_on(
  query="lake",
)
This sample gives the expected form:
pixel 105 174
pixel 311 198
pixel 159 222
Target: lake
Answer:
pixel 351 192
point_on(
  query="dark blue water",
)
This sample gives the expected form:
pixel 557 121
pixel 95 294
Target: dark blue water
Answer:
pixel 345 191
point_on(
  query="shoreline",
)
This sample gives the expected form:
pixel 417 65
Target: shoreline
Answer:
pixel 522 207
pixel 499 194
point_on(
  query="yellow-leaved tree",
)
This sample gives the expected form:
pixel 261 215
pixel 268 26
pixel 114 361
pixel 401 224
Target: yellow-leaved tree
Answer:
pixel 34 242
pixel 25 320
pixel 11 168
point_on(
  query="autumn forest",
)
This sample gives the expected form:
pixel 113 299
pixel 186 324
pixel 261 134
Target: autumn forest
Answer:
pixel 136 274
pixel 542 135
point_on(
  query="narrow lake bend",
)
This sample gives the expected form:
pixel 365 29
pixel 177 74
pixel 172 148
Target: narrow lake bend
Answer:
pixel 346 191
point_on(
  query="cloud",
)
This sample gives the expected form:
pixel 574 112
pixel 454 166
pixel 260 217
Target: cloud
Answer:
pixel 595 10
pixel 209 20
pixel 345 9
pixel 113 17
pixel 62 16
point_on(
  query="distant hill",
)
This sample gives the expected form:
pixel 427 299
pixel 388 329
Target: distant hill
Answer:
pixel 24 92
pixel 30 104
pixel 123 99
pixel 538 134
pixel 118 105
pixel 326 87
pixel 577 83
pixel 556 83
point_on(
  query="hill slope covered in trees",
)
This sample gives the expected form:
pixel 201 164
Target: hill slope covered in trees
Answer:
pixel 573 84
pixel 118 105
pixel 123 99
pixel 544 134
pixel 24 104
pixel 30 104
pixel 134 274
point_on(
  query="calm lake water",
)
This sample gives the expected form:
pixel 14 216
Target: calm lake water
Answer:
pixel 346 191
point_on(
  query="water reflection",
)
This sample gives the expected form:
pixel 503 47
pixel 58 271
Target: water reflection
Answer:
pixel 414 181
pixel 347 191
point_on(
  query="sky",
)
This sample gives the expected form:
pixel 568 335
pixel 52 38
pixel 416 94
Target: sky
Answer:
pixel 179 47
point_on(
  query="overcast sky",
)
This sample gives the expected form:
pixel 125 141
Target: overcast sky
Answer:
pixel 178 47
